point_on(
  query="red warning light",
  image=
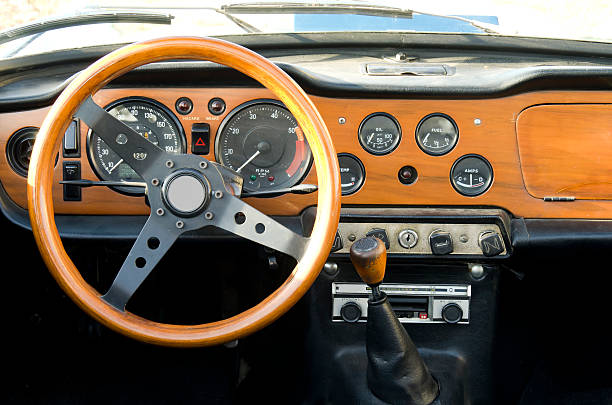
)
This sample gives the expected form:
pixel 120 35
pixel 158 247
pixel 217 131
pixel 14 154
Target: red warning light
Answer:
pixel 200 142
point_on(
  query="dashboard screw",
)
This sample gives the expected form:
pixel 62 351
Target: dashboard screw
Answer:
pixel 352 237
pixel 203 165
pixel 180 224
pixel 209 215
pixel 341 120
pixel 464 238
pixel 477 121
pixel 169 164
pixel 155 182
pixel 218 194
pixel 160 211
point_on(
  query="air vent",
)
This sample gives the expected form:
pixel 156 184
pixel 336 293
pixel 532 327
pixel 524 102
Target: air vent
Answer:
pixel 19 149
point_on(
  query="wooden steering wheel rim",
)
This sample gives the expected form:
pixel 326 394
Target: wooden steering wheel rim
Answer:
pixel 40 181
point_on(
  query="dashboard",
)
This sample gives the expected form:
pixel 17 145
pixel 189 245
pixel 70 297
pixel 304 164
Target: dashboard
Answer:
pixel 507 152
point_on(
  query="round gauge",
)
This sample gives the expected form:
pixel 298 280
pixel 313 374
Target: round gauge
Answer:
pixel 471 175
pixel 261 139
pixel 437 134
pixel 379 133
pixel 352 173
pixel 152 121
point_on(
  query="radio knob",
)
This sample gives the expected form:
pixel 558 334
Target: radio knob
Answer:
pixel 452 313
pixel 350 312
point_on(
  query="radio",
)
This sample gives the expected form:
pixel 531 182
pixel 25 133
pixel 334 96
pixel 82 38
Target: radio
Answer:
pixel 412 303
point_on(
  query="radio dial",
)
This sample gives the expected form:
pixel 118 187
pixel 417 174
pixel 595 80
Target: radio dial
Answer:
pixel 350 312
pixel 452 313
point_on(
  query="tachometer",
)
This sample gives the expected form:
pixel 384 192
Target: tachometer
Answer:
pixel 261 139
pixel 152 121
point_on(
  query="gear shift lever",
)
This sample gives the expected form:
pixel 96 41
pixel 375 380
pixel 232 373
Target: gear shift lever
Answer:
pixel 396 372
pixel 369 256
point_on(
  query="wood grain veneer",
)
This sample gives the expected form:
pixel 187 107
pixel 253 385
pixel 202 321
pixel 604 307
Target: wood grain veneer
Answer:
pixel 495 139
pixel 566 150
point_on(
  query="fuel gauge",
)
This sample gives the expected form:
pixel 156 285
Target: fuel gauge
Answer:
pixel 471 175
pixel 352 173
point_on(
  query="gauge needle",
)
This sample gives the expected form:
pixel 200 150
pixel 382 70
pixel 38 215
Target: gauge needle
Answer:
pixel 115 166
pixel 248 161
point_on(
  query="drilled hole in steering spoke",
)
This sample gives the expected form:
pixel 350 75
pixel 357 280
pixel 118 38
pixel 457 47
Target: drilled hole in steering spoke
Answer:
pixel 260 228
pixel 140 262
pixel 153 243
pixel 240 218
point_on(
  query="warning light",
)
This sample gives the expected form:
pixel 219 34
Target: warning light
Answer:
pixel 423 315
pixel 200 142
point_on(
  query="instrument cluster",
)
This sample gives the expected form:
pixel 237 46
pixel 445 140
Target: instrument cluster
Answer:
pixel 261 140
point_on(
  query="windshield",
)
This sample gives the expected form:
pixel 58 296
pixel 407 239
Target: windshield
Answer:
pixel 565 19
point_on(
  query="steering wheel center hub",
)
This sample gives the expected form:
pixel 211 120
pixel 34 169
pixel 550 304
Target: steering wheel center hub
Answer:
pixel 186 193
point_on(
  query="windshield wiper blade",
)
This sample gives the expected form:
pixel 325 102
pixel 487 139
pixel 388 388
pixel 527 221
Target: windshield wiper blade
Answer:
pixel 83 18
pixel 315 8
pixel 239 22
pixel 345 8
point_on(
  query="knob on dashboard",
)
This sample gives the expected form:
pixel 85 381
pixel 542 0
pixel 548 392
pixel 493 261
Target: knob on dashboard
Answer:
pixel 441 243
pixel 452 313
pixel 350 312
pixel 491 243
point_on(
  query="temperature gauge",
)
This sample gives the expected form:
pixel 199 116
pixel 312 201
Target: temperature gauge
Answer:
pixel 471 175
pixel 379 133
pixel 352 173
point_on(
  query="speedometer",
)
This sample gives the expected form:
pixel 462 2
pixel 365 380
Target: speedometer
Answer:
pixel 261 139
pixel 152 121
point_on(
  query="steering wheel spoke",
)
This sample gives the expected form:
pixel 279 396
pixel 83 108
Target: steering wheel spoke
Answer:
pixel 154 240
pixel 240 218
pixel 140 154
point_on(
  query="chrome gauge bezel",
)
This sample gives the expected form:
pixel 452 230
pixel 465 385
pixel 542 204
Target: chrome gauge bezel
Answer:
pixel 423 147
pixel 395 144
pixel 483 160
pixel 363 172
pixel 236 110
pixel 89 146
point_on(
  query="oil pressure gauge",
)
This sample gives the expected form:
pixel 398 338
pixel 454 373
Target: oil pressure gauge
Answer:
pixel 379 133
pixel 471 175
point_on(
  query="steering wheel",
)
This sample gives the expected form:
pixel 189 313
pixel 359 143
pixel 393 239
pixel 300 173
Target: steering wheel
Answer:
pixel 185 192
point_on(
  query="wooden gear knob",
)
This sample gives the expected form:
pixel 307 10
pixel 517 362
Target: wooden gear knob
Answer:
pixel 369 256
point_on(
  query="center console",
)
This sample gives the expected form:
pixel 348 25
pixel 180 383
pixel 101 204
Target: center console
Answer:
pixel 442 280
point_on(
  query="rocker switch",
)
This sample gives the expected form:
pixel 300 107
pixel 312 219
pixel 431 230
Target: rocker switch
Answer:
pixel 72 171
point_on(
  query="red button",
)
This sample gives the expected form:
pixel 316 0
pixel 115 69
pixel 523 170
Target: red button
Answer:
pixel 423 315
pixel 270 178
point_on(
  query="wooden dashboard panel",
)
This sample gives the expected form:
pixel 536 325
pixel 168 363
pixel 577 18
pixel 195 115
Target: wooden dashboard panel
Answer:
pixel 566 150
pixel 495 139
